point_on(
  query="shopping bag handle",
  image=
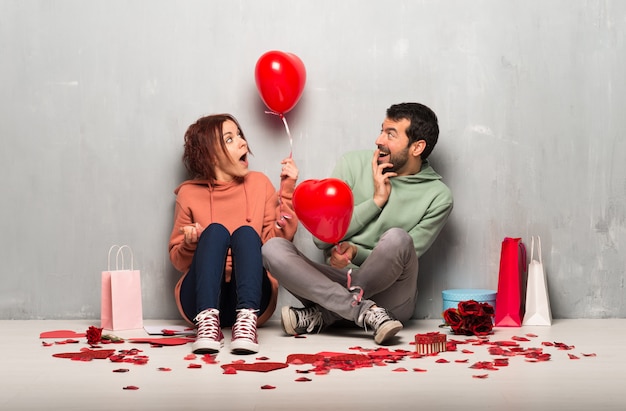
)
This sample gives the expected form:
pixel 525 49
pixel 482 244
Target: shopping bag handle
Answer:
pixel 109 257
pixel 120 251
pixel 532 248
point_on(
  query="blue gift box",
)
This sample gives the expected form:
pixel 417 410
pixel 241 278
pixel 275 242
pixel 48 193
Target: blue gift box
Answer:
pixel 451 298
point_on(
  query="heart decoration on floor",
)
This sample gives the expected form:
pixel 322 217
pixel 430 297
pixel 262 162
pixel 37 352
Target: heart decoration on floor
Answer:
pixel 86 355
pixel 162 341
pixel 61 334
pixel 257 366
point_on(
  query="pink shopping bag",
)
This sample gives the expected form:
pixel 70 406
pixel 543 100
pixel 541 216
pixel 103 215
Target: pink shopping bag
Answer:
pixel 511 280
pixel 121 307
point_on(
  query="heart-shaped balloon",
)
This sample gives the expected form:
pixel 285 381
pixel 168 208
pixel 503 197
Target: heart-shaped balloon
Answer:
pixel 280 79
pixel 324 207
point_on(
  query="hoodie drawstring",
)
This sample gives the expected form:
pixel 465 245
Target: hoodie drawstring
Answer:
pixel 245 193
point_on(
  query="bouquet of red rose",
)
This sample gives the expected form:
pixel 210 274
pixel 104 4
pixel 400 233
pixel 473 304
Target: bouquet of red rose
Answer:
pixel 470 318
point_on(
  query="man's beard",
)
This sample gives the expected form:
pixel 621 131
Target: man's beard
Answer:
pixel 398 160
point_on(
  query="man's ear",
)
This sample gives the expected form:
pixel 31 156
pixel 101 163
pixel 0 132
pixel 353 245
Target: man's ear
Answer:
pixel 418 148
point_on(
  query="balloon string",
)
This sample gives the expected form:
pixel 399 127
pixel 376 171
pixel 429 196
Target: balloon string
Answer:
pixel 281 222
pixel 289 135
pixel 356 290
pixel 282 117
pixel 359 291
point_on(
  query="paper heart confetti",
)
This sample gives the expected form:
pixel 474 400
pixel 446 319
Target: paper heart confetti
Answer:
pixel 304 358
pixel 61 334
pixel 257 366
pixel 86 355
pixel 162 341
pixel 131 387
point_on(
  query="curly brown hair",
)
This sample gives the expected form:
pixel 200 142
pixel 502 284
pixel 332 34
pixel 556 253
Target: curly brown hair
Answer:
pixel 202 141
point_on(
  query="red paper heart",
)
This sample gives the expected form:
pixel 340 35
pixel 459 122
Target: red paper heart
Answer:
pixel 304 358
pixel 324 207
pixel 163 341
pixel 86 354
pixel 257 366
pixel 130 387
pixel 61 334
pixel 340 357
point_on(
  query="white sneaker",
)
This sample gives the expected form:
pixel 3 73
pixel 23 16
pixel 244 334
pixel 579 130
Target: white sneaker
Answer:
pixel 209 336
pixel 244 339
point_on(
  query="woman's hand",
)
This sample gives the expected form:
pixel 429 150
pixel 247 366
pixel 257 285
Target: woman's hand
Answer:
pixel 191 233
pixel 289 170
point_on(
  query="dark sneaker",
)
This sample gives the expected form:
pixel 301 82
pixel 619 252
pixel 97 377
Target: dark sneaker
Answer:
pixel 297 321
pixel 244 340
pixel 209 337
pixel 385 326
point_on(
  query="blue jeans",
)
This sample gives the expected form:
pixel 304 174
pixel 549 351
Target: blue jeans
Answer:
pixel 204 285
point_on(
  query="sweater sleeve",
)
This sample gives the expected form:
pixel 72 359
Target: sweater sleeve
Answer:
pixel 280 211
pixel 429 227
pixel 181 253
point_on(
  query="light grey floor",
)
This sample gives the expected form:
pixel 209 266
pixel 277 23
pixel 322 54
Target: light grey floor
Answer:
pixel 31 379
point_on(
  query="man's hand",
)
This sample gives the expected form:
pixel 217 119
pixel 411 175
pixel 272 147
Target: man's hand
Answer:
pixel 382 185
pixel 342 254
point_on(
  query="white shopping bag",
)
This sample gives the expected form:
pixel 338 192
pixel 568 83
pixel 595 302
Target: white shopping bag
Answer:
pixel 537 298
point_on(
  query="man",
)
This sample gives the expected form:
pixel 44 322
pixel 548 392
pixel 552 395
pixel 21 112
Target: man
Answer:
pixel 400 206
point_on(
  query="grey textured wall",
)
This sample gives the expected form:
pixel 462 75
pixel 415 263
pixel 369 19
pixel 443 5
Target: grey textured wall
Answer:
pixel 95 97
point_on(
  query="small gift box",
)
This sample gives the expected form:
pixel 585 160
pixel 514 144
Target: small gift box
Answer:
pixel 430 343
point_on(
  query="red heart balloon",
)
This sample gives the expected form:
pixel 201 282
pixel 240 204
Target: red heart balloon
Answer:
pixel 324 207
pixel 280 79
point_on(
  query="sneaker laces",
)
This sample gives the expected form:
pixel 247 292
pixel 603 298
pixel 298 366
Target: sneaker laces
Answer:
pixel 208 323
pixel 245 324
pixel 374 317
pixel 309 318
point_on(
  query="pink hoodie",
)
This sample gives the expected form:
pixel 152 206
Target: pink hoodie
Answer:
pixel 252 201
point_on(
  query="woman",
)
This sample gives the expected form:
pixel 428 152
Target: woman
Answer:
pixel 224 213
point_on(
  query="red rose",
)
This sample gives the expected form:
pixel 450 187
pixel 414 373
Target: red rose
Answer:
pixel 457 323
pixel 487 309
pixel 482 325
pixel 94 335
pixel 470 307
pixel 452 318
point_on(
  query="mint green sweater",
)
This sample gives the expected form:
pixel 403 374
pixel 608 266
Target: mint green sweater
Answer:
pixel 419 203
